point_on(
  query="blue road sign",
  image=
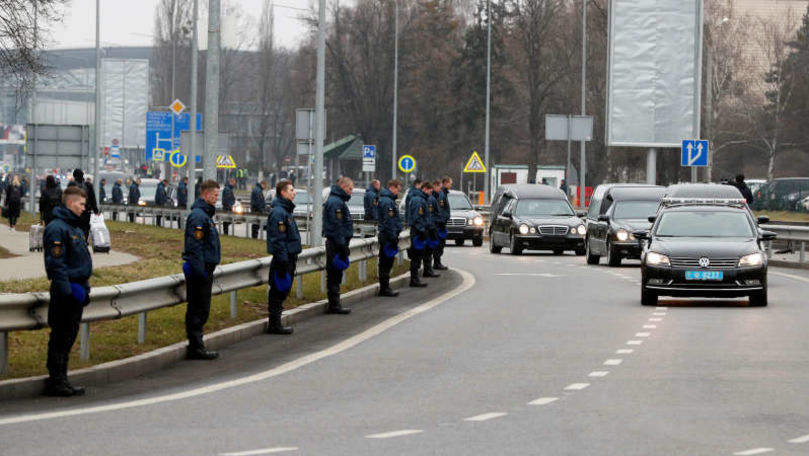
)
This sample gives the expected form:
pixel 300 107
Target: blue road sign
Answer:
pixel 407 164
pixel 177 159
pixel 369 152
pixel 694 152
pixel 158 131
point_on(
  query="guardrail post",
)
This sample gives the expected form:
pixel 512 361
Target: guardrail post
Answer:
pixel 322 281
pixel 400 258
pixel 234 310
pixel 802 256
pixel 84 344
pixel 3 354
pixel 142 328
pixel 768 248
pixel 299 287
pixel 363 270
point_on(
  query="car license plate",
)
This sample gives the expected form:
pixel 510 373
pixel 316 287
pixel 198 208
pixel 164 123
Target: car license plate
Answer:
pixel 704 275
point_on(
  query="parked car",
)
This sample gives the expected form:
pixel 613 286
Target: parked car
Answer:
pixel 535 217
pixel 612 219
pixel 782 194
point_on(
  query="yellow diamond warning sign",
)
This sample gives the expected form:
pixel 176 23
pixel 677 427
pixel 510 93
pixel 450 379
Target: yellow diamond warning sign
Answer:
pixel 475 164
pixel 225 161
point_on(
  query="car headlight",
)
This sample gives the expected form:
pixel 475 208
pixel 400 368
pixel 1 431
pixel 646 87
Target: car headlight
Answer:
pixel 754 259
pixel 524 229
pixel 141 202
pixel 477 221
pixel 238 210
pixel 657 259
pixel 582 230
pixel 622 235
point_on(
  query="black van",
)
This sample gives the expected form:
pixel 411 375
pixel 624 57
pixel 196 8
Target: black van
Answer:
pixel 534 217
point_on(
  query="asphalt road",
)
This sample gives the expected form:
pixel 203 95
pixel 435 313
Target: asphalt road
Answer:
pixel 540 355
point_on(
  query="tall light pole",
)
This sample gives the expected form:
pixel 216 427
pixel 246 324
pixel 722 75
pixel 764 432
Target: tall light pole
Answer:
pixel 320 126
pixel 97 148
pixel 34 183
pixel 395 156
pixel 212 91
pixel 190 160
pixel 582 180
pixel 487 176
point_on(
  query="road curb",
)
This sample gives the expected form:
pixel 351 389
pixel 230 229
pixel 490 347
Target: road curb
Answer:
pixel 144 363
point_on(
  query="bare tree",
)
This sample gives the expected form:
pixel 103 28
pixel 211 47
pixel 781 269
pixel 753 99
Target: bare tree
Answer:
pixel 22 27
pixel 171 61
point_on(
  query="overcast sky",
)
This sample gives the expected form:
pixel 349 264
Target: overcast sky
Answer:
pixel 131 22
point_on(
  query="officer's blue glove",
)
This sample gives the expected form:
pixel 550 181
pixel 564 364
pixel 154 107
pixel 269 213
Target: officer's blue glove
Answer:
pixel 433 243
pixel 390 250
pixel 418 243
pixel 283 281
pixel 340 263
pixel 442 233
pixel 187 270
pixel 78 292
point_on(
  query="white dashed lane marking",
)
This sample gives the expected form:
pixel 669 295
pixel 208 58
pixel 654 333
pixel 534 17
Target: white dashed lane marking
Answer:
pixel 804 439
pixel 643 334
pixel 624 351
pixel 661 308
pixel 486 416
pixel 753 451
pixel 261 451
pixel 659 314
pixel 656 319
pixel 613 362
pixel 649 326
pixel 576 386
pixel 543 401
pixel 598 374
pixel 634 342
pixel 390 435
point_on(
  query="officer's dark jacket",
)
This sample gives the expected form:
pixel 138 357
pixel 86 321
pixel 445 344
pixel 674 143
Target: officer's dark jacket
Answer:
pixel 228 198
pixel 66 256
pixel 257 202
pixel 337 223
pixel 182 194
pixel 134 194
pixel 160 198
pixel 51 199
pixel 283 238
pixel 202 251
pixel 102 194
pixel 117 194
pixel 432 212
pixel 418 212
pixel 91 204
pixel 390 224
pixel 370 201
pixel 443 208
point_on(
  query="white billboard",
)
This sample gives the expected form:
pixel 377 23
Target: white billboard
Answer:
pixel 654 72
pixel 125 95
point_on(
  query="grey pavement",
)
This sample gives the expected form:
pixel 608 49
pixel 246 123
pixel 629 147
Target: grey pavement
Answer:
pixel 31 265
pixel 544 355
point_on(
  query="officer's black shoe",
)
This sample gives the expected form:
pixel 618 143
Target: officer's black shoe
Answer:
pixel 338 310
pixel 387 292
pixel 431 274
pixel 201 353
pixel 61 388
pixel 416 283
pixel 440 267
pixel 77 390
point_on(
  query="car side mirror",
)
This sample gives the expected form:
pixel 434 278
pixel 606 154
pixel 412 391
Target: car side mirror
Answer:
pixel 581 214
pixel 762 219
pixel 641 234
pixel 652 218
pixel 604 218
pixel 767 236
pixel 507 214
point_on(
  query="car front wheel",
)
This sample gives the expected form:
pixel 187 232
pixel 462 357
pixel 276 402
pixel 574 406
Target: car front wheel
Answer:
pixel 477 242
pixel 459 242
pixel 492 247
pixel 591 259
pixel 515 249
pixel 612 259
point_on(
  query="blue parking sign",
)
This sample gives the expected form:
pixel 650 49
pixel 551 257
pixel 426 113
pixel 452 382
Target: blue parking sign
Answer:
pixel 694 152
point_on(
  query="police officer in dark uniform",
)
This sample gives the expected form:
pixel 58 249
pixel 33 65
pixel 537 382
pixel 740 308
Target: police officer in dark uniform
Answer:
pixel 182 193
pixel 117 196
pixel 102 194
pixel 371 200
pixel 284 244
pixel 134 197
pixel 69 267
pixel 432 230
pixel 228 200
pixel 338 229
pixel 442 220
pixel 417 214
pixel 258 204
pixel 161 198
pixel 201 254
pixel 416 186
pixel 390 225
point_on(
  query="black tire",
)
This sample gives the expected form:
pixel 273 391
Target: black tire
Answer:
pixel 613 260
pixel 459 242
pixel 648 298
pixel 493 249
pixel 515 250
pixel 558 252
pixel 580 252
pixel 477 242
pixel 591 259
pixel 759 299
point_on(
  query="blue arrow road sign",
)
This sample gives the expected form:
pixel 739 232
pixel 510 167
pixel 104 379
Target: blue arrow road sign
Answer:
pixel 158 130
pixel 694 153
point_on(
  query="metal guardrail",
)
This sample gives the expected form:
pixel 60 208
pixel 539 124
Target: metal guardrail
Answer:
pixel 29 311
pixel 791 234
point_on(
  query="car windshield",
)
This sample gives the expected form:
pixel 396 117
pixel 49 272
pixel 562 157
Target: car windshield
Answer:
pixel 635 209
pixel 147 192
pixel 704 224
pixel 301 197
pixel 356 199
pixel 543 207
pixel 459 203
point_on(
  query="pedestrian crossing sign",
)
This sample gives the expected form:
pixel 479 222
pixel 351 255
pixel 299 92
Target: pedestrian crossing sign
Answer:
pixel 475 164
pixel 225 161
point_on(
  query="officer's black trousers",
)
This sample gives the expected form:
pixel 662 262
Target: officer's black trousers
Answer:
pixel 415 262
pixel 385 265
pixel 198 291
pixel 334 276
pixel 276 297
pixel 64 316
pixel 131 217
pixel 428 260
pixel 439 252
pixel 255 229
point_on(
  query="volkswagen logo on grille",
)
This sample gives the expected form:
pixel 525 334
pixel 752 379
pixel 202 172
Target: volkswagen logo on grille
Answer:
pixel 704 262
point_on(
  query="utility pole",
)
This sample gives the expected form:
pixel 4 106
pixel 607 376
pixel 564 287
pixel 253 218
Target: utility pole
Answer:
pixel 582 177
pixel 395 156
pixel 486 176
pixel 212 91
pixel 320 126
pixel 34 183
pixel 98 141
pixel 190 156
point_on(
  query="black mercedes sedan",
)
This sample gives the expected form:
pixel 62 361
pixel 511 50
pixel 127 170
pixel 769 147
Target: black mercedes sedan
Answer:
pixel 704 251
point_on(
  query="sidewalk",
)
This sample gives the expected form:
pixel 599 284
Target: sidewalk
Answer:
pixel 31 265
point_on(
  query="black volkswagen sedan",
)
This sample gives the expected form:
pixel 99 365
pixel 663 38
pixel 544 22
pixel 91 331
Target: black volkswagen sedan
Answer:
pixel 704 251
pixel 534 217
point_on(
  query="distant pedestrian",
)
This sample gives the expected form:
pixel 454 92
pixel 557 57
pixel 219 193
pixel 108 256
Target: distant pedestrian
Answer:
pixel 161 198
pixel 743 188
pixel 563 187
pixel 117 196
pixel 134 198
pixel 258 204
pixel 228 201
pixel 14 194
pixel 90 206
pixel 390 226
pixel 50 199
pixel 338 229
pixel 201 254
pixel 442 189
pixel 292 177
pixel 102 193
pixel 69 267
pixel 371 200
pixel 182 194
pixel 284 244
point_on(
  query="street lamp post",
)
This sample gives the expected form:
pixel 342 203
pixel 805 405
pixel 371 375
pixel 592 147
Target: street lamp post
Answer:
pixel 395 156
pixel 96 149
pixel 487 176
pixel 190 160
pixel 320 126
pixel 582 177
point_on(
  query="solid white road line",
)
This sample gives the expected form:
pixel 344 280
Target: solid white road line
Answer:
pixel 789 276
pixel 543 401
pixel 613 362
pixel 624 351
pixel 576 386
pixel 467 283
pixel 262 451
pixel 486 416
pixel 649 326
pixel 598 374
pixel 529 274
pixel 390 435
pixel 643 334
pixel 634 342
pixel 754 451
pixel 804 439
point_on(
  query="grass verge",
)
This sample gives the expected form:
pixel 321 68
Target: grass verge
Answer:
pixel 784 216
